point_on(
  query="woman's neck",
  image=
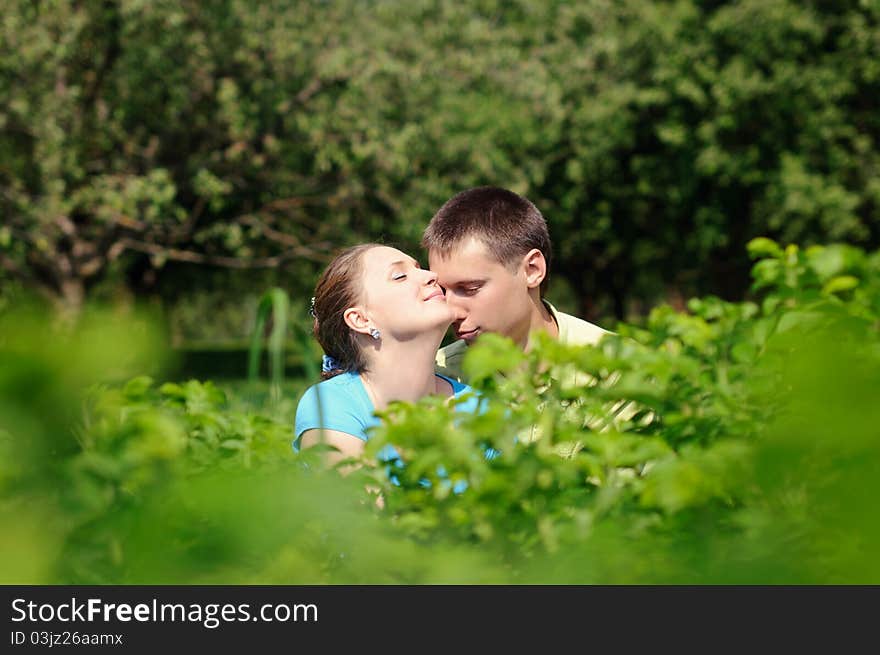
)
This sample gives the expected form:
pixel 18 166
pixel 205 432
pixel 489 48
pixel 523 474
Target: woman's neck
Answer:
pixel 403 371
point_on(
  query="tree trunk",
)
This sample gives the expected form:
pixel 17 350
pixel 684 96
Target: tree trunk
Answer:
pixel 70 301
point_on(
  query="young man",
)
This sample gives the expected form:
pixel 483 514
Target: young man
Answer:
pixel 491 251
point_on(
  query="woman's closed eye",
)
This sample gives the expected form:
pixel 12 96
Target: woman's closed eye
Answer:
pixel 398 275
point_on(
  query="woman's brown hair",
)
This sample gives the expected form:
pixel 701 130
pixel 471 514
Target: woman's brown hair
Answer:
pixel 339 288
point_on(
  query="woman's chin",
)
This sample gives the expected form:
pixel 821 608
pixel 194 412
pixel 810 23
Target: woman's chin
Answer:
pixel 435 329
pixel 439 310
pixel 448 318
pixel 441 326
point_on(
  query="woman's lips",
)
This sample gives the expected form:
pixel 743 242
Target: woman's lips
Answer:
pixel 435 295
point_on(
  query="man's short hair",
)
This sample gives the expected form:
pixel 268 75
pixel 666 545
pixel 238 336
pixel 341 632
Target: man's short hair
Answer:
pixel 506 223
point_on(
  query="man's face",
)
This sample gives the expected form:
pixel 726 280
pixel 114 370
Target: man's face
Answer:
pixel 485 295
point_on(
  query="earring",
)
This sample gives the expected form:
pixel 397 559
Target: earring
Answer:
pixel 374 332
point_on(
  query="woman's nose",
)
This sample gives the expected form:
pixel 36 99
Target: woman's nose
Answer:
pixel 431 279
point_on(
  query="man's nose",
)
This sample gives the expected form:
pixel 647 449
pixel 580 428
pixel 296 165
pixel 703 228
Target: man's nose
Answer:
pixel 452 300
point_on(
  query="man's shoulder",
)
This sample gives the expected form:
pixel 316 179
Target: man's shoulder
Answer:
pixel 454 350
pixel 576 331
pixel 449 358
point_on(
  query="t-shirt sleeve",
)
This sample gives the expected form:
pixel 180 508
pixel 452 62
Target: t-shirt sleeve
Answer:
pixel 338 412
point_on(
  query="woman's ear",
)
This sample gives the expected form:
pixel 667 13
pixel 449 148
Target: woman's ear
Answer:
pixel 535 267
pixel 356 319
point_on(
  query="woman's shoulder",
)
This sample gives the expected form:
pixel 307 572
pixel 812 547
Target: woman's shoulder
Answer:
pixel 335 404
pixel 337 387
pixel 340 383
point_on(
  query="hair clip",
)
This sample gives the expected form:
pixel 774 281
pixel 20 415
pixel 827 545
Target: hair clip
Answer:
pixel 329 364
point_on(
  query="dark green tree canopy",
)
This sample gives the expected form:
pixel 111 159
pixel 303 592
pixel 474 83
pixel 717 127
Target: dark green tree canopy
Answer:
pixel 656 137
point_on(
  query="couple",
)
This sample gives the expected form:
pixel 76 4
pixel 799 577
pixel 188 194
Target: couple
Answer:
pixel 380 317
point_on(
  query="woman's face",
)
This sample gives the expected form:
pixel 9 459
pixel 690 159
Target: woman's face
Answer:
pixel 400 297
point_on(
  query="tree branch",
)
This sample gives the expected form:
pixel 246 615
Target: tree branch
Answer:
pixel 11 266
pixel 91 267
pixel 309 90
pixel 286 205
pixel 281 237
pixel 185 231
pixel 188 256
pixel 67 226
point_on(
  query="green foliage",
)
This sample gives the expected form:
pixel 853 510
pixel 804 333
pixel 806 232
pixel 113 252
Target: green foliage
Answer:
pixel 276 302
pixel 736 443
pixel 700 433
pixel 658 138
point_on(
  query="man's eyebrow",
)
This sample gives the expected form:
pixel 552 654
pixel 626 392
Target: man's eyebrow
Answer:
pixel 459 283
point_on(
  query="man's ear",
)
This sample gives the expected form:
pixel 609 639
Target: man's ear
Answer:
pixel 356 319
pixel 535 267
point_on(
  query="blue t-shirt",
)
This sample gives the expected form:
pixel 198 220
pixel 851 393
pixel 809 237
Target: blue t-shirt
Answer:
pixel 347 407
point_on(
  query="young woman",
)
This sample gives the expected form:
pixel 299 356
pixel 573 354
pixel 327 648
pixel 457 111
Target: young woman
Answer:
pixel 380 318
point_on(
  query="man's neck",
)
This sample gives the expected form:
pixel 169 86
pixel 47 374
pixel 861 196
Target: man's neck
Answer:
pixel 541 321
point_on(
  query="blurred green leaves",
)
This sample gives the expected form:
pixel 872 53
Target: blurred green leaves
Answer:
pixel 735 443
pixel 731 442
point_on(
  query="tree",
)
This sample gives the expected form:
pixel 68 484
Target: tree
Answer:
pixel 657 138
pixel 156 129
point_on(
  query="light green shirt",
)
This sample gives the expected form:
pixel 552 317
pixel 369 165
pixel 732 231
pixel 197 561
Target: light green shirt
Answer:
pixel 572 331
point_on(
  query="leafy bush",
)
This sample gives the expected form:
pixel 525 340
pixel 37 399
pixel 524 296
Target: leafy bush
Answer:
pixel 706 432
pixel 734 443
